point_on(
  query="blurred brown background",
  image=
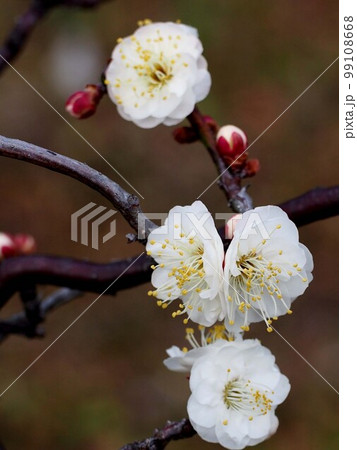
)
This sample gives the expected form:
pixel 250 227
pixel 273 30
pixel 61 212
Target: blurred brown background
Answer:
pixel 103 383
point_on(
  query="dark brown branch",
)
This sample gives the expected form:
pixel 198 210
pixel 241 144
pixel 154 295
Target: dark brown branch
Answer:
pixel 25 24
pixel 21 324
pixel 317 204
pixel 127 204
pixel 237 196
pixel 18 272
pixel 172 431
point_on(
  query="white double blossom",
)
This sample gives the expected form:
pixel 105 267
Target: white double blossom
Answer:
pixel 158 74
pixel 266 268
pixel 236 387
pixel 189 253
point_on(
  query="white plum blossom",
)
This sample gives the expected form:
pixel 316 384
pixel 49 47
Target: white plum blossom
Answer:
pixel 182 360
pixel 266 268
pixel 236 388
pixel 189 253
pixel 158 74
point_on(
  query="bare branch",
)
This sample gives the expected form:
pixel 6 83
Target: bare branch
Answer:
pixel 317 204
pixel 237 196
pixel 127 204
pixel 172 431
pixel 19 272
pixel 21 324
pixel 26 23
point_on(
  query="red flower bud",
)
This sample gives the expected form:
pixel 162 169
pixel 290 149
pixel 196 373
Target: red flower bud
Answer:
pixel 83 104
pixel 18 244
pixel 251 167
pixel 185 135
pixel 231 144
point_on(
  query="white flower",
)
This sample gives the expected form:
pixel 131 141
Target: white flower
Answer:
pixel 189 253
pixel 158 74
pixel 183 360
pixel 266 268
pixel 236 388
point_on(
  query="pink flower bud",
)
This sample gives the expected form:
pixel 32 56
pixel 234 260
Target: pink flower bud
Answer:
pixel 83 104
pixel 231 144
pixel 18 244
pixel 185 135
pixel 231 226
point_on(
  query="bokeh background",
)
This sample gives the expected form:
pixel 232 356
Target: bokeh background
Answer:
pixel 103 383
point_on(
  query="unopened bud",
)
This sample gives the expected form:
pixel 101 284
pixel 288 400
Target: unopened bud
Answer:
pixel 83 104
pixel 231 144
pixel 185 135
pixel 18 244
pixel 251 167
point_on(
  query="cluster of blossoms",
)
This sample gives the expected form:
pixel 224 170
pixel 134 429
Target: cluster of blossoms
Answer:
pixel 235 383
pixel 156 76
pixel 264 269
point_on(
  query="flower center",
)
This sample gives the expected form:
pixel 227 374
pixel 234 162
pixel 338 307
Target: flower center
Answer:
pixel 185 258
pixel 257 276
pixel 208 336
pixel 239 395
pixel 258 282
pixel 158 74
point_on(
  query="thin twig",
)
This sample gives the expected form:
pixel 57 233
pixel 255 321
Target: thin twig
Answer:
pixel 172 431
pixel 26 22
pixel 236 194
pixel 20 324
